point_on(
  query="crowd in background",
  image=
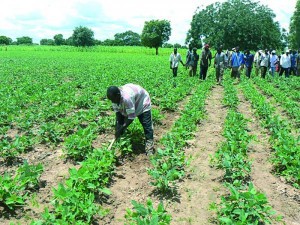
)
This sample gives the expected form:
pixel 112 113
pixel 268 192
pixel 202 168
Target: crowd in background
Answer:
pixel 264 62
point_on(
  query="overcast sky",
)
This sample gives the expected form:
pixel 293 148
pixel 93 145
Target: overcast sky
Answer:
pixel 44 18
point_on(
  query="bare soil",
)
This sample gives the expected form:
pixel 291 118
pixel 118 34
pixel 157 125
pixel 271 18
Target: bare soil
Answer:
pixel 284 198
pixel 202 185
pixel 132 181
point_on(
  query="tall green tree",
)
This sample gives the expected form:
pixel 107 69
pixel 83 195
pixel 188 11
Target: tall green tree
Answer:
pixel 59 39
pixel 233 23
pixel 156 33
pixel 25 40
pixel 5 40
pixel 47 42
pixel 83 36
pixel 294 35
pixel 128 38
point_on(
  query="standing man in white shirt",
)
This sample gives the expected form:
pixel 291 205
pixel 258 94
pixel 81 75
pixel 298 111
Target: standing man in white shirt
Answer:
pixel 175 58
pixel 285 62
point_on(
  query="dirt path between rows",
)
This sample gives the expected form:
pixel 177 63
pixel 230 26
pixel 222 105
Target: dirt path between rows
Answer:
pixel 132 181
pixel 284 199
pixel 202 186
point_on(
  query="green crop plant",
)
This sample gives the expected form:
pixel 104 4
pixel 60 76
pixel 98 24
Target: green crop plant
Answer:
pixel 147 214
pixel 14 190
pixel 245 207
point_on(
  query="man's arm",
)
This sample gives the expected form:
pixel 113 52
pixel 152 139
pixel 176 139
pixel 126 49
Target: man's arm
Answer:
pixel 120 128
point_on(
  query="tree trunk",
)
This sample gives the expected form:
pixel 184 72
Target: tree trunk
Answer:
pixel 156 50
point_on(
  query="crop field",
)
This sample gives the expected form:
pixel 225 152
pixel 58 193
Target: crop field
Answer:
pixel 225 154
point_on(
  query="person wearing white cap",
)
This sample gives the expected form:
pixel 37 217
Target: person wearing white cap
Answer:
pixel 273 62
pixel 285 62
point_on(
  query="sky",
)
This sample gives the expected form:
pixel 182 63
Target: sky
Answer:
pixel 40 19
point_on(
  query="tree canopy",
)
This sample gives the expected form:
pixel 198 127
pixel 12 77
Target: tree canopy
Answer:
pixel 155 33
pixel 5 40
pixel 59 39
pixel 233 23
pixel 294 35
pixel 25 40
pixel 47 42
pixel 128 38
pixel 83 36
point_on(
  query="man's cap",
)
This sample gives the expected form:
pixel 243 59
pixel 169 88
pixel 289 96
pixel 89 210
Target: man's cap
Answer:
pixel 233 49
pixel 274 51
pixel 206 46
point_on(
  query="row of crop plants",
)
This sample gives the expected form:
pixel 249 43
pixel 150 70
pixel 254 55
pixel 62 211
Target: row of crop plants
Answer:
pixel 169 163
pixel 291 107
pixel 243 204
pixel 289 86
pixel 286 155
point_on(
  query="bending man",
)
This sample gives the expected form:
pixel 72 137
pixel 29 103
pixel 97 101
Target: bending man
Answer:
pixel 131 101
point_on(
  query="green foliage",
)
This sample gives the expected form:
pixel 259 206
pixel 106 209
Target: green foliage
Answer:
pixel 128 38
pixel 233 23
pixel 294 34
pixel 244 207
pixel 286 155
pixel 147 215
pixel 47 42
pixel 155 33
pixel 78 145
pixel 59 39
pixel 83 36
pixel 5 40
pixel 11 148
pixel 25 40
pixel 169 163
pixel 74 201
pixel 14 190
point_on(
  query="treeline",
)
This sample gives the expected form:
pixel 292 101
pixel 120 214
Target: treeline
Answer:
pixel 232 23
pixel 243 23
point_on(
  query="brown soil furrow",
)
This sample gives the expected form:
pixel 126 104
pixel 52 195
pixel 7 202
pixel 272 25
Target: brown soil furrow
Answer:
pixel 203 186
pixel 284 199
pixel 132 181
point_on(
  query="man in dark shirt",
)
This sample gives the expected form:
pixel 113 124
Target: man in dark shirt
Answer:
pixel 192 62
pixel 248 62
pixel 205 61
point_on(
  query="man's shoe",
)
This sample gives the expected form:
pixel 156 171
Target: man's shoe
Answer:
pixel 149 148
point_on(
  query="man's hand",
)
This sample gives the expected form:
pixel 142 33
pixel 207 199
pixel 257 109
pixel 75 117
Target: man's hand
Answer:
pixel 119 131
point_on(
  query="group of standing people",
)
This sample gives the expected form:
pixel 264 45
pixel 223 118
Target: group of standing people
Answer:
pixel 263 61
pixel 192 59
